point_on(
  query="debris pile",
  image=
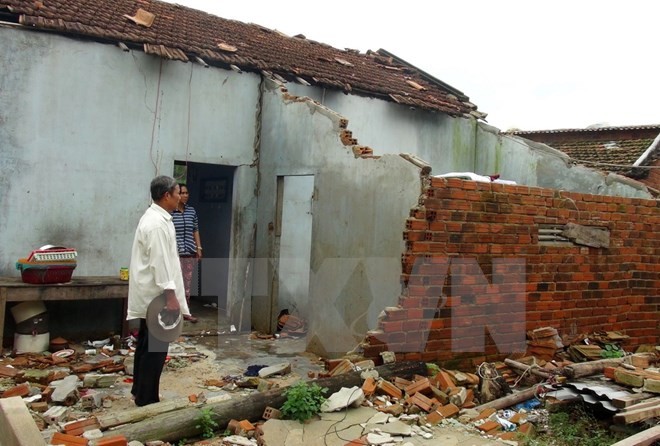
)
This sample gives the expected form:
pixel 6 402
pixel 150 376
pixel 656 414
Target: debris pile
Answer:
pixel 396 403
pixel 64 388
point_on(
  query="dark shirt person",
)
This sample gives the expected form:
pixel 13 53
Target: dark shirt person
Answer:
pixel 188 243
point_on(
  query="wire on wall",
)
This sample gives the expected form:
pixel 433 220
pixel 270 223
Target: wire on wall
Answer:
pixel 156 118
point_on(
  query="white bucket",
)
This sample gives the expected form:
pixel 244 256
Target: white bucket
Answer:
pixel 27 343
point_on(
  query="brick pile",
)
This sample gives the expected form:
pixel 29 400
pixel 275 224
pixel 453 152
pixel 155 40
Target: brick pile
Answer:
pixel 469 243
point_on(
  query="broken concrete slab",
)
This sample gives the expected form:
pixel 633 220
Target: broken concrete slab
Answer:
pixel 345 397
pixel 394 428
pixel 238 440
pixel 332 429
pixel 277 369
pixel 379 418
pixel 382 439
pixel 66 391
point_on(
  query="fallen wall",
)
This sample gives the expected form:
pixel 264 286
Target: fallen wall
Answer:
pixel 476 277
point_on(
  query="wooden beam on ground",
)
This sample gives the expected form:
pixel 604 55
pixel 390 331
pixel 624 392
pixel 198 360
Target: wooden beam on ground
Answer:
pixel 509 400
pixel 140 413
pixel 633 398
pixel 644 438
pixel 182 423
pixel 638 412
pixel 536 370
pixel 17 428
pixel 581 369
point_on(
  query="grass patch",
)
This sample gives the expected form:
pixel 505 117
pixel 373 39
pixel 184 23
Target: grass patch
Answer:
pixel 574 426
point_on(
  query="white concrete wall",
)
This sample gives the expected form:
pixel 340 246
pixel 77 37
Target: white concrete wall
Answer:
pixel 463 145
pixel 535 164
pixel 359 212
pixel 84 127
pixel 446 143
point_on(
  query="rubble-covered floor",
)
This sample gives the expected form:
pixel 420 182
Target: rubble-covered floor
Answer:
pixel 212 362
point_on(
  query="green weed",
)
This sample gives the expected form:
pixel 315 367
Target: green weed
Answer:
pixel 206 423
pixel 574 426
pixel 303 401
pixel 612 351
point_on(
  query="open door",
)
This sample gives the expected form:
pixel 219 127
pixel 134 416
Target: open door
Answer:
pixel 210 187
pixel 294 231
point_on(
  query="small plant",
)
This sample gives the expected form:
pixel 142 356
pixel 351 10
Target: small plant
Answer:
pixel 432 369
pixel 574 426
pixel 303 401
pixel 206 423
pixel 612 351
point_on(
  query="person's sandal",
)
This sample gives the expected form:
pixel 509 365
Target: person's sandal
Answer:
pixel 192 319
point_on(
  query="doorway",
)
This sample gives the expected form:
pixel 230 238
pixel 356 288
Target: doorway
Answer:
pixel 211 188
pixel 295 197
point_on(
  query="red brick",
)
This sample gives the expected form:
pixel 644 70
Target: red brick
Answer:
pixel 489 426
pixel 19 390
pixel 444 381
pixel 421 401
pixel 75 425
pixel 422 386
pixel 246 425
pixel 448 410
pixel 390 389
pixel 68 440
pixel 369 386
pixel 486 413
pixel 115 440
pixel 434 417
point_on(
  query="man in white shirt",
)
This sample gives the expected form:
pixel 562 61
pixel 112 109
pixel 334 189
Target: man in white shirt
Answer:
pixel 154 270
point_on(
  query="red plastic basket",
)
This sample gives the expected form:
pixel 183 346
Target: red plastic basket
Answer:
pixel 47 273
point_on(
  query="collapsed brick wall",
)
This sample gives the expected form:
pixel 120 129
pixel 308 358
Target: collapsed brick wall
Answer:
pixel 522 284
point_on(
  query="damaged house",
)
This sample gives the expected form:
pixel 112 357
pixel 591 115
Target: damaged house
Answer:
pixel 631 151
pixel 311 169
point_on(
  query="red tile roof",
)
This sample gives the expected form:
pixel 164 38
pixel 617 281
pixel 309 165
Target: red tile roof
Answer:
pixel 613 149
pixel 182 33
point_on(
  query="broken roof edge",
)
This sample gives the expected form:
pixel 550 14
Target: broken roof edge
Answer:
pixel 426 75
pixel 647 155
pixel 447 99
pixel 580 130
pixel 418 162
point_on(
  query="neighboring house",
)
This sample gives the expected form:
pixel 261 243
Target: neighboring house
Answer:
pixel 304 161
pixel 633 151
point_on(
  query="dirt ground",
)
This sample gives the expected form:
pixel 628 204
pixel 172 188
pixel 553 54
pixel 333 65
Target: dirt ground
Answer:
pixel 210 359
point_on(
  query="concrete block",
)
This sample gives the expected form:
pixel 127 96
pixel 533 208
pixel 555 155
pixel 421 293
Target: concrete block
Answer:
pixel 55 414
pixel 17 428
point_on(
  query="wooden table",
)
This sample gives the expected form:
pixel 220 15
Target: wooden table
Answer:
pixel 12 289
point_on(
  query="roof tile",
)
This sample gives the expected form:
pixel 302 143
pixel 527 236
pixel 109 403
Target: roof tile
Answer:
pixel 613 149
pixel 178 32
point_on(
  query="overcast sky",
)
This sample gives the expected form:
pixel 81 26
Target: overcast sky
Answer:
pixel 528 64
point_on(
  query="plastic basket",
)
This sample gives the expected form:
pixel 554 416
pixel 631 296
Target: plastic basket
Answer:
pixel 38 274
pixel 52 255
